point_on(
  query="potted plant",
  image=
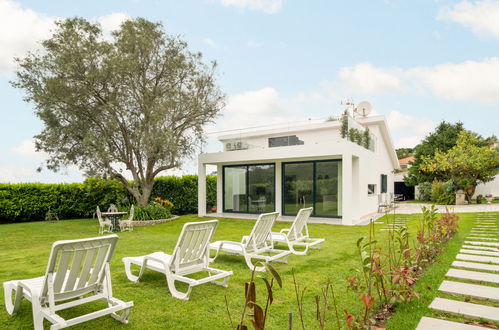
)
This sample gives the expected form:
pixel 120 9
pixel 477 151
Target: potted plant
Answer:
pixel 489 198
pixel 479 199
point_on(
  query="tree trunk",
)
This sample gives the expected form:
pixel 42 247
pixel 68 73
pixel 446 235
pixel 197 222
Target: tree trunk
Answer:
pixel 143 200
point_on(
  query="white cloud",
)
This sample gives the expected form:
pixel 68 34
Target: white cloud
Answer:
pixel 13 174
pixel 267 6
pixel 254 44
pixel 482 17
pixel 467 81
pixel 111 22
pixel 22 29
pixel 27 149
pixel 209 42
pixel 470 80
pixel 408 130
pixel 364 78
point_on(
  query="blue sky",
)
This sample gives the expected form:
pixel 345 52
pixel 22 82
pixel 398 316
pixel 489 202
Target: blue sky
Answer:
pixel 417 62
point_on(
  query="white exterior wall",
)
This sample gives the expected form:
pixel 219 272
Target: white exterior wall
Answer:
pixel 491 187
pixel 360 166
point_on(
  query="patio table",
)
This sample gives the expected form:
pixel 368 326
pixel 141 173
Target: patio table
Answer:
pixel 115 218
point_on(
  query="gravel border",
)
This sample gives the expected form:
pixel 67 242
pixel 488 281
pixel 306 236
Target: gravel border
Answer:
pixel 144 223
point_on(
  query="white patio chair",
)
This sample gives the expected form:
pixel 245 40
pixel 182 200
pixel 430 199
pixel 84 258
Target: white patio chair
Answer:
pixel 258 245
pixel 190 256
pixel 128 224
pixel 297 234
pixel 382 202
pixel 77 273
pixel 106 226
pixel 112 208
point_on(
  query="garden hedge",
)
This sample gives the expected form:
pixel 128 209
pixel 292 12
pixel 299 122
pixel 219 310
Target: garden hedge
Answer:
pixel 31 201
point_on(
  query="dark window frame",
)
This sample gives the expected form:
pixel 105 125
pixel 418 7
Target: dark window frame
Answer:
pixel 384 184
pixel 313 186
pixel 247 187
pixel 288 138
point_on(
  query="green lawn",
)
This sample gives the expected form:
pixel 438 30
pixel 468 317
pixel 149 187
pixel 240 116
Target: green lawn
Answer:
pixel 24 250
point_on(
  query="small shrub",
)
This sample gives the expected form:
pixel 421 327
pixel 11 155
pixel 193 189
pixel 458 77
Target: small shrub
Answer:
pixel 424 191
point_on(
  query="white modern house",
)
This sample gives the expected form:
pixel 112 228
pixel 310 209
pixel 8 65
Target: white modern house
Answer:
pixel 285 169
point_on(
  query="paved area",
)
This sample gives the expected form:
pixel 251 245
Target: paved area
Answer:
pixel 480 265
pixel 428 323
pixel 410 208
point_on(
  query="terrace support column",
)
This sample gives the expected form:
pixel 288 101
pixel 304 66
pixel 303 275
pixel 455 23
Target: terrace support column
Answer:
pixel 278 187
pixel 347 189
pixel 201 189
pixel 220 191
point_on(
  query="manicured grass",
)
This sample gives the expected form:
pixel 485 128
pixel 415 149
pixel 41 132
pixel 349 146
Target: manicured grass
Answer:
pixel 24 250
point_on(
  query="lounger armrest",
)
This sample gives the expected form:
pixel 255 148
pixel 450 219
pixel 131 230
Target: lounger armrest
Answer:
pixel 231 242
pixel 283 231
pixel 148 257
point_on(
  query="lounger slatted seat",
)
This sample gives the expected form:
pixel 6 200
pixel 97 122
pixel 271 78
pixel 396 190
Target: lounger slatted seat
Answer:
pixel 76 269
pixel 298 235
pixel 191 255
pixel 258 245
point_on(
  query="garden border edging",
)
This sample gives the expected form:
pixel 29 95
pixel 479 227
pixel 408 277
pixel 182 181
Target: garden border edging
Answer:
pixel 144 223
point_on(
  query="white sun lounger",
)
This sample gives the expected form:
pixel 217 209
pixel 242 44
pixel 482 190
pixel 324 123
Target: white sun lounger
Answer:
pixel 297 235
pixel 191 255
pixel 76 269
pixel 258 245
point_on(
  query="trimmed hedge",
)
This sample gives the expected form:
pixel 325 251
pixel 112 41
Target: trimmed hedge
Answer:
pixel 31 201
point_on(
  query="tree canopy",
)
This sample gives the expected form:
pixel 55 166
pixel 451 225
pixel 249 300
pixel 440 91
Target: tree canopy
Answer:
pixel 467 164
pixel 443 138
pixel 136 104
pixel 404 152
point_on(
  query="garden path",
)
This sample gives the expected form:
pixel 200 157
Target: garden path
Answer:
pixel 470 281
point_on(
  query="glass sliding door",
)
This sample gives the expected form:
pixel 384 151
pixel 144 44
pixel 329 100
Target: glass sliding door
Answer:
pixel 235 198
pixel 327 182
pixel 249 188
pixel 312 183
pixel 261 188
pixel 298 183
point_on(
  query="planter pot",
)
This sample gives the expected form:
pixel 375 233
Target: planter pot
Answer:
pixel 489 199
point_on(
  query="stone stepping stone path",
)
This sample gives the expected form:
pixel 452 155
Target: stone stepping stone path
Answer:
pixel 466 309
pixel 473 276
pixel 478 261
pixel 472 257
pixel 429 323
pixel 479 247
pixel 483 253
pixel 482 243
pixel 471 290
pixel 475 265
pixel 483 238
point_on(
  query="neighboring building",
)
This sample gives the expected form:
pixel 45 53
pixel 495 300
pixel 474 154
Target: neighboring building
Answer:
pixel 285 169
pixel 400 187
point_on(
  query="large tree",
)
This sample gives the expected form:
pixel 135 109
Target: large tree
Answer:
pixel 443 138
pixel 137 103
pixel 467 164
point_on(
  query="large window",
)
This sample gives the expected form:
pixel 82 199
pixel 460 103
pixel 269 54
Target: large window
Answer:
pixel 384 183
pixel 284 141
pixel 313 183
pixel 249 188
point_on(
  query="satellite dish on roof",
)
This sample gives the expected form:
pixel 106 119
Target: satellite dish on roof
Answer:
pixel 363 108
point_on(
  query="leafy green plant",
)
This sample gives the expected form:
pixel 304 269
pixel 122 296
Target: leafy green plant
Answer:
pixel 258 317
pixel 424 189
